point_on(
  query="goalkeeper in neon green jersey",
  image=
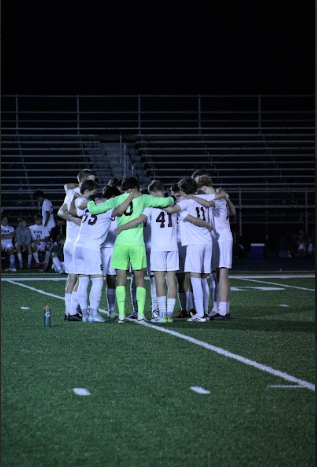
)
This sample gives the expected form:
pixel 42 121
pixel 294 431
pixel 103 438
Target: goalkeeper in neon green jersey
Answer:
pixel 129 245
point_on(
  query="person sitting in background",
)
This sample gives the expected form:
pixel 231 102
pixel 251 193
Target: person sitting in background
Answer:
pixel 23 241
pixel 7 235
pixel 40 239
pixel 59 229
pixel 57 256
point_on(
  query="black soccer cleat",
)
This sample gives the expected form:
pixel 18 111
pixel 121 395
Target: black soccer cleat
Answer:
pixel 76 317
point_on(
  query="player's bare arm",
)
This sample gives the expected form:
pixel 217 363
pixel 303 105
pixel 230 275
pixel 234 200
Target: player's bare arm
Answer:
pixel 64 214
pixel 232 209
pixel 197 221
pixel 131 224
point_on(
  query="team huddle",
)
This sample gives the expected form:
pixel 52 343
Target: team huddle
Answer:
pixel 179 240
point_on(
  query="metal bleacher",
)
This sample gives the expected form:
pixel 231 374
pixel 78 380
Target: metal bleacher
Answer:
pixel 259 148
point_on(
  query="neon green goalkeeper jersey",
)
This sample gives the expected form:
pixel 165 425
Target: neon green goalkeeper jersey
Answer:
pixel 133 236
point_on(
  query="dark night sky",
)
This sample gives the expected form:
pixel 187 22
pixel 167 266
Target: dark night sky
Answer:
pixel 259 48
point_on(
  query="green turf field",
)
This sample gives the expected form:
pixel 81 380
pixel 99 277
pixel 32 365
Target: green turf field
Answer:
pixel 257 369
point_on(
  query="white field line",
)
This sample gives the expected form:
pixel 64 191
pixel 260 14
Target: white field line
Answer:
pixel 199 390
pixel 281 285
pixel 284 386
pixel 219 350
pixel 81 391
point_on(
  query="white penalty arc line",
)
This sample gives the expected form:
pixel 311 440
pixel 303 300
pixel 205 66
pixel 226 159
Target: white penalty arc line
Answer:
pixel 281 285
pixel 207 346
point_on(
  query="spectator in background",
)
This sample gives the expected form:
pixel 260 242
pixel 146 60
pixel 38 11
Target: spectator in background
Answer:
pixel 40 239
pixel 7 235
pixel 47 210
pixel 59 229
pixel 23 241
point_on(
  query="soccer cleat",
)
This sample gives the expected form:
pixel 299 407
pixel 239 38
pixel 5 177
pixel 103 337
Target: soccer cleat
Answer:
pixel 84 316
pixel 182 314
pixel 218 317
pixel 120 320
pixel 159 320
pixel 192 312
pixel 12 269
pixel 142 319
pixel 75 317
pixel 133 315
pixel 197 319
pixel 170 318
pixel 37 266
pixel 94 317
pixel 65 317
pixel 113 314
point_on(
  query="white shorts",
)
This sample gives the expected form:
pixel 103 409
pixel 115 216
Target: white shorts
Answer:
pixel 198 258
pixel 41 246
pixel 182 257
pixel 223 255
pixel 87 262
pixel 164 260
pixel 5 245
pixel 69 257
pixel 106 255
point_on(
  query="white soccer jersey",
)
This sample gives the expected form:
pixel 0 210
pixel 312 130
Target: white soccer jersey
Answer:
pixel 93 229
pixel 5 230
pixel 39 232
pixel 163 229
pixel 147 234
pixel 219 218
pixel 190 233
pixel 111 237
pixel 72 229
pixel 47 206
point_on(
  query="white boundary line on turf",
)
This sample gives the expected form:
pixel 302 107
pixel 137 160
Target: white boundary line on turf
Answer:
pixel 281 285
pixel 219 350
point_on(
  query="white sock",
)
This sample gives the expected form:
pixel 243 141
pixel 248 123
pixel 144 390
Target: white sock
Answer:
pixel 36 257
pixel 198 295
pixel 215 307
pixel 133 294
pixel 82 292
pixel 161 301
pixel 153 294
pixel 182 298
pixel 190 298
pixel 68 298
pixel 57 264
pixel 74 302
pixel 95 292
pixel 19 255
pixel 29 259
pixel 12 260
pixel 111 299
pixel 205 287
pixel 222 308
pixel 170 306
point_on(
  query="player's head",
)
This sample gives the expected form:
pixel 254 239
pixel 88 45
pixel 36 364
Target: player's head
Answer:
pixel 174 189
pixel 110 191
pixel 130 183
pixel 38 219
pixel 144 191
pixel 115 182
pixel 88 187
pixel 204 181
pixel 22 221
pixel 4 220
pixel 85 174
pixel 38 195
pixel 187 186
pixel 156 188
pixel 199 173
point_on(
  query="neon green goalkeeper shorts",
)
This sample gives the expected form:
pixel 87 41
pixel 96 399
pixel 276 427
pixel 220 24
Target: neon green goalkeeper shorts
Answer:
pixel 124 254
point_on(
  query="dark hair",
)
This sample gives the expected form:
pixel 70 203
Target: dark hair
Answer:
pixel 174 187
pixel 83 175
pixel 144 191
pixel 38 193
pixel 114 182
pixel 200 172
pixel 129 182
pixel 88 185
pixel 110 191
pixel 60 237
pixel 156 185
pixel 188 185
pixel 204 180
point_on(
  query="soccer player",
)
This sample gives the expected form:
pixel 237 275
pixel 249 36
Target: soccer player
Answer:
pixel 57 255
pixel 87 256
pixel 199 246
pixel 129 245
pixel 47 210
pixel 22 241
pixel 222 251
pixel 72 228
pixel 40 239
pixel 7 235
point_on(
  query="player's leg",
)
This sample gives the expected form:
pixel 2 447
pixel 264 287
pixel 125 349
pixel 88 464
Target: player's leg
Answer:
pixel 10 251
pixel 138 261
pixel 83 283
pixel 94 299
pixel 161 295
pixel 120 262
pixel 194 265
pixel 18 248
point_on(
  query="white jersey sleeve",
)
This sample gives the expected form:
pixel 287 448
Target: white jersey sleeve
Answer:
pixel 93 230
pixel 79 202
pixel 72 229
pixel 190 233
pixel 47 206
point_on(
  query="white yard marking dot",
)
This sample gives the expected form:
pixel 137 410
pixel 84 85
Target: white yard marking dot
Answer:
pixel 284 305
pixel 25 308
pixel 199 390
pixel 81 391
